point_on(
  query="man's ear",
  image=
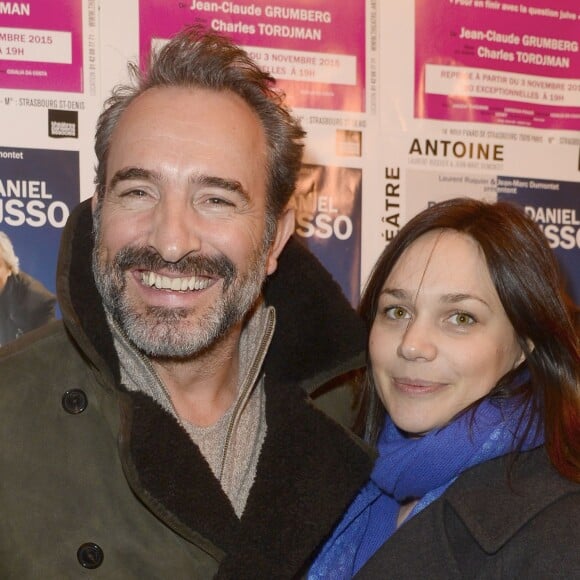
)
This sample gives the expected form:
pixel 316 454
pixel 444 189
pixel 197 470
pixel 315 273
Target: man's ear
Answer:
pixel 94 201
pixel 284 230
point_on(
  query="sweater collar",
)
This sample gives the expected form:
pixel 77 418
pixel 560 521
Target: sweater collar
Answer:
pixel 138 374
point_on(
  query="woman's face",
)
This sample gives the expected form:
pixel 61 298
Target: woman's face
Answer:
pixel 441 338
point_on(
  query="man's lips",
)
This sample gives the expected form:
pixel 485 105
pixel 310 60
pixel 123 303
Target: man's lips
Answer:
pixel 177 283
pixel 192 273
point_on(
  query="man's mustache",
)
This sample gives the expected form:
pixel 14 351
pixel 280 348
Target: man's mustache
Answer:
pixel 189 265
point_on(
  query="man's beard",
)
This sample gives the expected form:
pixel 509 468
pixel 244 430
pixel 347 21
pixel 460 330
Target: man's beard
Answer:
pixel 162 332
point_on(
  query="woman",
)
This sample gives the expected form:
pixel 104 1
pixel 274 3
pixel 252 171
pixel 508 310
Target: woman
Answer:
pixel 472 398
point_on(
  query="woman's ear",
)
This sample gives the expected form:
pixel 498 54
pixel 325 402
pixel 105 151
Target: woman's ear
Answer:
pixel 530 348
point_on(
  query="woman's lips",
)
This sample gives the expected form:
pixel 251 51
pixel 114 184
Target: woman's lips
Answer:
pixel 417 386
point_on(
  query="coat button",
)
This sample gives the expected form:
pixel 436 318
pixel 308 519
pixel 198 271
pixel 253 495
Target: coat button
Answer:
pixel 90 555
pixel 74 401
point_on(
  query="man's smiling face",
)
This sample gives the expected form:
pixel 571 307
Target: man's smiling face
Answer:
pixel 182 246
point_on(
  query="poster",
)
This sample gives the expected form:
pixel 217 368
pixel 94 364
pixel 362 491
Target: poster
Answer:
pixel 555 206
pixel 38 189
pixel 314 48
pixel 327 203
pixel 41 45
pixel 487 61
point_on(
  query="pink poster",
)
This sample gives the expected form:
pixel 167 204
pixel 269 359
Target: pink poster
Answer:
pixel 314 48
pixel 489 61
pixel 41 45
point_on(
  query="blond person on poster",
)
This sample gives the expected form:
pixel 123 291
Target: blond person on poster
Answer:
pixel 473 390
pixel 25 304
pixel 169 427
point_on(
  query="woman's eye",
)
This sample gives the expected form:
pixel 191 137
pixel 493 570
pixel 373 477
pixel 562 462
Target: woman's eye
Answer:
pixel 397 313
pixel 462 319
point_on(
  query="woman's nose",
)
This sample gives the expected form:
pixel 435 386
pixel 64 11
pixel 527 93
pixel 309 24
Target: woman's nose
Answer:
pixel 417 342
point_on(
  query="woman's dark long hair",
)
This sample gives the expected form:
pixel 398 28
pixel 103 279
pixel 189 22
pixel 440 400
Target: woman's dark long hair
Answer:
pixel 526 277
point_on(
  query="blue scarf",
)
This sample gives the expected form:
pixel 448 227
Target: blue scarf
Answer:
pixel 422 469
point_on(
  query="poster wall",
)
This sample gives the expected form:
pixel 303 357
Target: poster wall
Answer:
pixel 479 98
pixel 404 103
pixel 49 102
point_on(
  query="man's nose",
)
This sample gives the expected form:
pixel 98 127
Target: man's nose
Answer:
pixel 176 230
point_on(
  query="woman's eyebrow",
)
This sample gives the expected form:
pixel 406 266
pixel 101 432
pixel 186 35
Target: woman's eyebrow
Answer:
pixel 455 297
pixel 398 293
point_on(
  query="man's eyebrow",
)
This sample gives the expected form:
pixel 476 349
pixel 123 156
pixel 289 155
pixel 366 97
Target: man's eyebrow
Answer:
pixel 232 185
pixel 139 173
pixel 129 173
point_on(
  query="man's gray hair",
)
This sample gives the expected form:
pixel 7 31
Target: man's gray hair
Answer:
pixel 196 58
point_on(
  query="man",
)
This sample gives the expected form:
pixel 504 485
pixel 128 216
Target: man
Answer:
pixel 166 429
pixel 25 303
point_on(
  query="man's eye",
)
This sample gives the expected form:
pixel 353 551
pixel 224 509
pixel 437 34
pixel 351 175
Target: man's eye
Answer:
pixel 397 313
pixel 216 204
pixel 462 319
pixel 219 201
pixel 137 198
pixel 135 193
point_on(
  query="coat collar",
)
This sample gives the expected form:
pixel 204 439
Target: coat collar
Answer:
pixel 496 499
pixel 309 471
